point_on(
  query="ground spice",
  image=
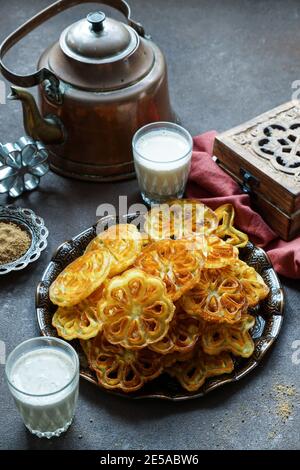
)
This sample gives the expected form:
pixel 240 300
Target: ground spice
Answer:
pixel 14 242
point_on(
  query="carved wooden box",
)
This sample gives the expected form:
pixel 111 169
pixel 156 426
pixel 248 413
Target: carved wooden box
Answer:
pixel 263 155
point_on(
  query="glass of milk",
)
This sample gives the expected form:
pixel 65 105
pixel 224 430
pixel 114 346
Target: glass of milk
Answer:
pixel 162 154
pixel 43 377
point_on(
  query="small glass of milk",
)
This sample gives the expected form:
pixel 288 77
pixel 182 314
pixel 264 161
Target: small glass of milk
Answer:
pixel 162 154
pixel 43 377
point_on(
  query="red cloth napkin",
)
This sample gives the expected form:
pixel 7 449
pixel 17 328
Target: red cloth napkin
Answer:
pixel 214 187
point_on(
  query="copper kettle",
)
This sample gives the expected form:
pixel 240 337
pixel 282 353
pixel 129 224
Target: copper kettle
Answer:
pixel 98 84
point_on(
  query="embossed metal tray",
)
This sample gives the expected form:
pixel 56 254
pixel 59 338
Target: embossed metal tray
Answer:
pixel 269 317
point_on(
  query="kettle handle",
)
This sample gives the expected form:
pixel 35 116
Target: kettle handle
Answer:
pixel 57 7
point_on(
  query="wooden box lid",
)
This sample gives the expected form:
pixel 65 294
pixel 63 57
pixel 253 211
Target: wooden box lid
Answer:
pixel 265 152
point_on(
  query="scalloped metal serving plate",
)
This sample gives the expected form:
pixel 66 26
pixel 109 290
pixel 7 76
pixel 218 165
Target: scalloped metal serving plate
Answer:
pixel 269 317
pixel 34 226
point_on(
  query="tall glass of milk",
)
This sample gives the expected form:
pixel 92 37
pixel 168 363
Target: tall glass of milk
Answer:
pixel 162 154
pixel 43 377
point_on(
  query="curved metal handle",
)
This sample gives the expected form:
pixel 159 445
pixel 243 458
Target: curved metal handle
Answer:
pixel 61 5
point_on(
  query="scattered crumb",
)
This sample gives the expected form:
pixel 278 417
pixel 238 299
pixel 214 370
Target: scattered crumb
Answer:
pixel 91 420
pixel 80 436
pixel 284 394
pixel 272 435
pixel 284 410
pixel 285 390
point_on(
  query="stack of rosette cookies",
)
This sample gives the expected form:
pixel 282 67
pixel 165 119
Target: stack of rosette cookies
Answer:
pixel 172 297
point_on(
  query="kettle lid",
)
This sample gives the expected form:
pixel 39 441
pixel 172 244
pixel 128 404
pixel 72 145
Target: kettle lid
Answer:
pixel 97 39
pixel 101 54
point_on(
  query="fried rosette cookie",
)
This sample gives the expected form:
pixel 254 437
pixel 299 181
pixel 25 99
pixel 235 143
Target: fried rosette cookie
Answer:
pixel 80 321
pixel 226 229
pixel 179 219
pixel 193 373
pixel 174 262
pixel 124 243
pixel 119 368
pixel 235 338
pixel 253 284
pixel 217 297
pixel 80 278
pixel 219 253
pixel 192 217
pixel 182 336
pixel 159 223
pixel 135 310
pixel 175 357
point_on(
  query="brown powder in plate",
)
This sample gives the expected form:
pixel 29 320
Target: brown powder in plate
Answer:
pixel 14 242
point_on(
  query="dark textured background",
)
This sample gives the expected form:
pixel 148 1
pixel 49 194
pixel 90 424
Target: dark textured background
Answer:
pixel 229 60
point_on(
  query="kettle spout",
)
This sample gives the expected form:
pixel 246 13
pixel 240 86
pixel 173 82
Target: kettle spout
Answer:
pixel 48 130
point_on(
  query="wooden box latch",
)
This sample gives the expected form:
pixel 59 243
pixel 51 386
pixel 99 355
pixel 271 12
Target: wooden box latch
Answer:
pixel 249 182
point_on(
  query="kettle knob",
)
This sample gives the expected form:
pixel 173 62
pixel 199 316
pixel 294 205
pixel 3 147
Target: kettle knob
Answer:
pixel 96 20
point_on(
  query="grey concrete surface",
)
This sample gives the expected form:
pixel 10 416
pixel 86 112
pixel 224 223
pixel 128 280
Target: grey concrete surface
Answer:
pixel 228 61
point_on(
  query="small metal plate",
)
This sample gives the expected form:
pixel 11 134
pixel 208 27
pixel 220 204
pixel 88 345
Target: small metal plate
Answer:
pixel 34 226
pixel 269 317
